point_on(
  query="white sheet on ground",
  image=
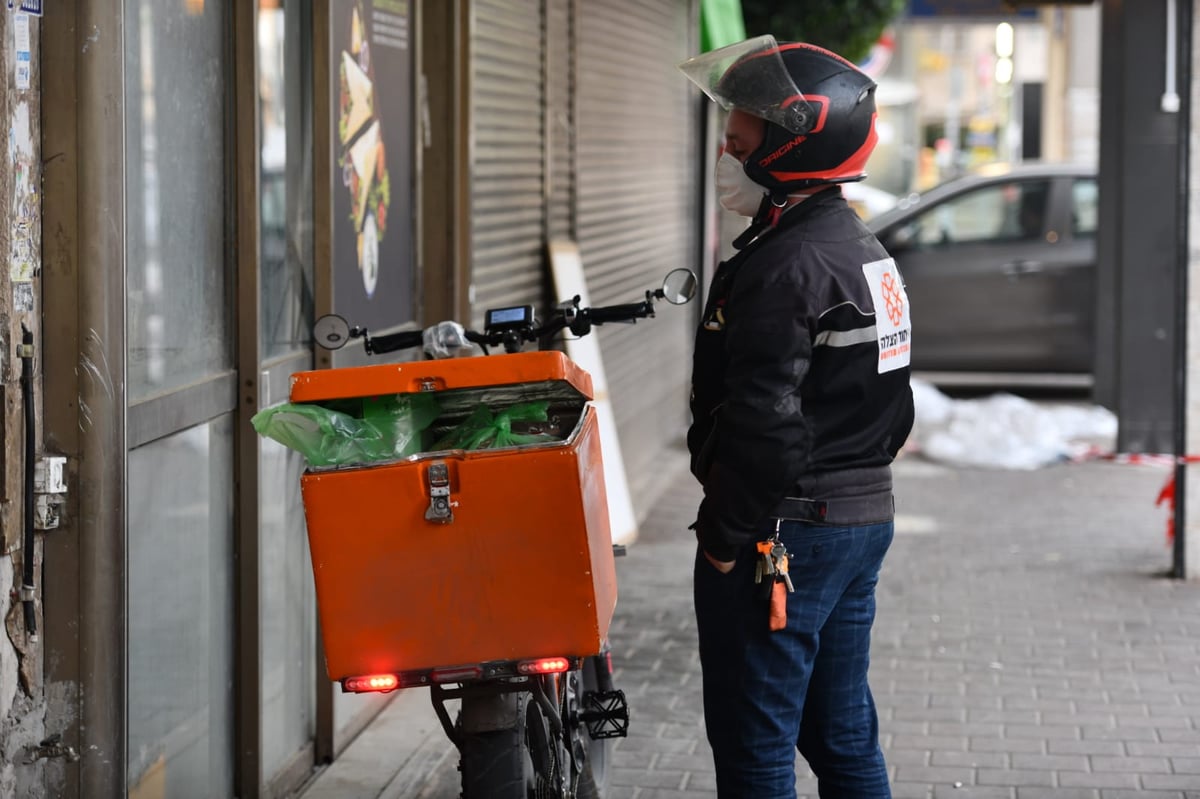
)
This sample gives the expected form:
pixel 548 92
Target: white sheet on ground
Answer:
pixel 1004 431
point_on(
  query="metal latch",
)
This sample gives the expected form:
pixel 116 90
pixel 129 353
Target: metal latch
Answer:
pixel 439 494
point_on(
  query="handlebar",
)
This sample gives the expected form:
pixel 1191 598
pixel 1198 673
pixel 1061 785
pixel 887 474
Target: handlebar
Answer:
pixel 512 328
pixel 621 313
pixel 406 339
pixel 568 316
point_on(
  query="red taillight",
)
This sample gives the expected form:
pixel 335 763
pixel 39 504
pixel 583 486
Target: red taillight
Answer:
pixel 457 674
pixel 543 666
pixel 371 682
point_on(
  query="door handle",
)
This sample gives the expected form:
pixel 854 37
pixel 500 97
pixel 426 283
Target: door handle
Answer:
pixel 1018 268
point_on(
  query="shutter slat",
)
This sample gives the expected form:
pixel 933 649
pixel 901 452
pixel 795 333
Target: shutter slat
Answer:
pixel 508 162
pixel 636 208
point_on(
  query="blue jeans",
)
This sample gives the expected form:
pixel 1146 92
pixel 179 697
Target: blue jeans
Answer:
pixel 804 686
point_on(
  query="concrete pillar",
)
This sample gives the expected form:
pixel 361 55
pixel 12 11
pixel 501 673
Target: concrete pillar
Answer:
pixel 1191 494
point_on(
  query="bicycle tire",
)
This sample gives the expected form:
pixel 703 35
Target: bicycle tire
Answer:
pixel 514 760
pixel 496 763
pixel 596 773
pixel 587 787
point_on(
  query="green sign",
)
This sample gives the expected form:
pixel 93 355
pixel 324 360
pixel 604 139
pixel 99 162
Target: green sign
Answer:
pixel 720 23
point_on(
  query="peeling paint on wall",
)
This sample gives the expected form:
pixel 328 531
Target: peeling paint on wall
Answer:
pixel 8 666
pixel 22 704
pixel 25 249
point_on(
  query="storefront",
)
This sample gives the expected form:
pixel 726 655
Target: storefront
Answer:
pixel 215 176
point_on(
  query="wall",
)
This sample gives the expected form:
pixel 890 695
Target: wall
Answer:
pixel 22 706
pixel 1191 554
pixel 1082 101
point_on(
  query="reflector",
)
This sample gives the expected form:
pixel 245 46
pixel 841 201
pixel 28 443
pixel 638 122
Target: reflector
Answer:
pixel 457 674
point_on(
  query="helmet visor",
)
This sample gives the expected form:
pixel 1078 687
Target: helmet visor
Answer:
pixel 750 75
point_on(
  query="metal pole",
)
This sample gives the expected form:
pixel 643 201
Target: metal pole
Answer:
pixel 100 77
pixel 1181 47
pixel 244 176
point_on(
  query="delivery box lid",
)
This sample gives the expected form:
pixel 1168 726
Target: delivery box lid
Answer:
pixel 549 367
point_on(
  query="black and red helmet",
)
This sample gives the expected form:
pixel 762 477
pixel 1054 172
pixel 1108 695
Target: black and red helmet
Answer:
pixel 819 109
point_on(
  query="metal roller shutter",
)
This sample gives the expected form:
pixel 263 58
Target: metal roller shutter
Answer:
pixel 507 154
pixel 560 88
pixel 637 211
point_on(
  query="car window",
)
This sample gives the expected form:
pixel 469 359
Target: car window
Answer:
pixel 1000 212
pixel 1085 208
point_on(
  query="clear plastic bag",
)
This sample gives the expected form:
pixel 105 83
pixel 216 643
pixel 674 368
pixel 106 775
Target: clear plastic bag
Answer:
pixel 446 340
pixel 390 428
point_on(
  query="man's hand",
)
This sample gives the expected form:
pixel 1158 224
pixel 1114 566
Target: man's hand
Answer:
pixel 723 566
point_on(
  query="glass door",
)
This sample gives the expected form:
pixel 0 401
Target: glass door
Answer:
pixel 287 618
pixel 181 395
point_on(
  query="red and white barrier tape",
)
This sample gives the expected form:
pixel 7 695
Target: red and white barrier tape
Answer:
pixel 1166 494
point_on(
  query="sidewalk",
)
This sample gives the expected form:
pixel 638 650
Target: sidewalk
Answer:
pixel 1026 646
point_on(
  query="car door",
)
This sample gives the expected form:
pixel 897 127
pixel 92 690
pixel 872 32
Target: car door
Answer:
pixel 977 268
pixel 1068 278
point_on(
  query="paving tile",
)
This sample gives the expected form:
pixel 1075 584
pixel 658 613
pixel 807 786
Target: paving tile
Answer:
pixel 911 790
pixel 973 792
pixel 947 775
pixel 1177 782
pixel 1141 765
pixel 972 759
pixel 1024 760
pixel 1015 777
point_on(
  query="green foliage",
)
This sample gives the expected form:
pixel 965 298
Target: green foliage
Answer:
pixel 847 27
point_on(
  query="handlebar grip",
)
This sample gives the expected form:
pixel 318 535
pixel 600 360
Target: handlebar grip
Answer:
pixel 620 313
pixel 403 340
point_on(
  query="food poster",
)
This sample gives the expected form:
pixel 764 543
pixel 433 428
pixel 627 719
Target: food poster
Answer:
pixel 373 254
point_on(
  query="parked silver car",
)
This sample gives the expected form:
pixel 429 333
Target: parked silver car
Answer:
pixel 1000 268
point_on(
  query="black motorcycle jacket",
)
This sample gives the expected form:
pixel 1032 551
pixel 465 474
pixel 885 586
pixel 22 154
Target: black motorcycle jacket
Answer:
pixel 800 380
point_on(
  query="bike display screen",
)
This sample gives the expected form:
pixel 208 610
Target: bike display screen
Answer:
pixel 509 318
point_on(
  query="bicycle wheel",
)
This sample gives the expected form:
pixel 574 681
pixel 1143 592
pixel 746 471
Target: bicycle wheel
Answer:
pixel 494 753
pixel 507 749
pixel 594 777
pixel 587 788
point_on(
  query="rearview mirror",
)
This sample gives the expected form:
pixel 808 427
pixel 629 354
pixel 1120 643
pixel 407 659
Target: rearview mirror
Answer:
pixel 678 287
pixel 331 332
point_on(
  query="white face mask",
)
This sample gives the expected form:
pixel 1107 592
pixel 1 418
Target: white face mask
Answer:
pixel 736 191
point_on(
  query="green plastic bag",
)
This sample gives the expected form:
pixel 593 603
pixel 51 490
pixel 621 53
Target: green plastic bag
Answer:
pixel 401 419
pixel 390 428
pixel 485 430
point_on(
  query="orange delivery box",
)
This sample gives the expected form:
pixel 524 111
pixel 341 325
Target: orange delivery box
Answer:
pixel 462 557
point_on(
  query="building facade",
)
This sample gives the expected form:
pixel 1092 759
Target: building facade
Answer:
pixel 188 185
pixel 194 182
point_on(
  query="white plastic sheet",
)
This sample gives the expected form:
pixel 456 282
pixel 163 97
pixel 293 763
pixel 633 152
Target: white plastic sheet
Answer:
pixel 1003 431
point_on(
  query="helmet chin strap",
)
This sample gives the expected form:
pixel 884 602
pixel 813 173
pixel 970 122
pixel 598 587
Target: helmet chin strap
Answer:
pixel 760 222
pixel 768 213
